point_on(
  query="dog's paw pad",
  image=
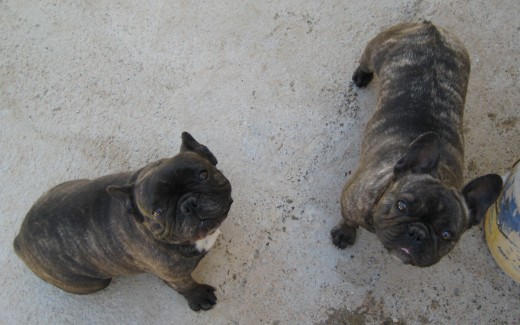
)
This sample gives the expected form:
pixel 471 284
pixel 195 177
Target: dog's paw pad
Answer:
pixel 361 78
pixel 343 236
pixel 201 297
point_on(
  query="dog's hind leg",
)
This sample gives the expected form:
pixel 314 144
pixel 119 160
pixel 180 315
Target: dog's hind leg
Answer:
pixel 362 78
pixel 364 72
pixel 49 272
pixel 77 284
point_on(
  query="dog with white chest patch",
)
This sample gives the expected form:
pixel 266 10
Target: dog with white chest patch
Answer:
pixel 408 186
pixel 161 219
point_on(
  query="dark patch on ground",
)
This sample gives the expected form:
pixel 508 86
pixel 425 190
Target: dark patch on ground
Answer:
pixel 371 311
pixel 508 123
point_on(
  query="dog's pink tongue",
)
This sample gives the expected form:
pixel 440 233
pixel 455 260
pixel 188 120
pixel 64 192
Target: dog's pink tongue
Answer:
pixel 406 250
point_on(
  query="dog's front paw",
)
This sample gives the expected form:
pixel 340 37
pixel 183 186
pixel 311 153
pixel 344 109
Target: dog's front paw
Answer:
pixel 343 235
pixel 362 78
pixel 200 297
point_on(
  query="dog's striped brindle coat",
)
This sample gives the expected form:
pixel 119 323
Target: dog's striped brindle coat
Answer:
pixel 406 188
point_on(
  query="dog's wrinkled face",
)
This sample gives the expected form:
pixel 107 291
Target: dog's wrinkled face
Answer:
pixel 182 199
pixel 420 220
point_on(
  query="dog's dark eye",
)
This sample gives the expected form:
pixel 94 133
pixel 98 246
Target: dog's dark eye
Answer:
pixel 203 175
pixel 401 206
pixel 157 212
pixel 446 235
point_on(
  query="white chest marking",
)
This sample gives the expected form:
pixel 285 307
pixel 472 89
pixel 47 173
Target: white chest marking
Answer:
pixel 204 244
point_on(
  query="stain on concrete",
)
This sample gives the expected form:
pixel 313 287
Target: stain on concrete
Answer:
pixel 508 123
pixel 371 311
pixel 88 89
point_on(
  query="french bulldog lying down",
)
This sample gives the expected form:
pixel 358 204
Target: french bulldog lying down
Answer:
pixel 161 219
pixel 408 186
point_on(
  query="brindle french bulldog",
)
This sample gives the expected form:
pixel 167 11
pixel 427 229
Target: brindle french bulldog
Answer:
pixel 406 188
pixel 160 219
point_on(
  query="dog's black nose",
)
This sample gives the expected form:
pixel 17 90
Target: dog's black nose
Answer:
pixel 416 233
pixel 189 205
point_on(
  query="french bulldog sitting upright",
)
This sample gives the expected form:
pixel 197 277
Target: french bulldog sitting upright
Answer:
pixel 160 219
pixel 408 186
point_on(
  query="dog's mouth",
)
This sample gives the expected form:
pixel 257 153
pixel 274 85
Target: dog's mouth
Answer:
pixel 204 214
pixel 207 227
pixel 204 207
pixel 403 254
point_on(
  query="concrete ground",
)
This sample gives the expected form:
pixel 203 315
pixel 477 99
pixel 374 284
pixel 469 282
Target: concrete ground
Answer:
pixel 89 88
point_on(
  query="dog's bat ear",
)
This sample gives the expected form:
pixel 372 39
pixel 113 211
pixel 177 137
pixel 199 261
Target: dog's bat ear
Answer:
pixel 479 194
pixel 190 144
pixel 421 157
pixel 123 193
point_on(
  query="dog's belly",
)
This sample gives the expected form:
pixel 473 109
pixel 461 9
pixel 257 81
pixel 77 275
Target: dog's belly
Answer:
pixel 204 244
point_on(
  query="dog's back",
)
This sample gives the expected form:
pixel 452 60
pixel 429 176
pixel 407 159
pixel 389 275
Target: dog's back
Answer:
pixel 408 186
pixel 423 72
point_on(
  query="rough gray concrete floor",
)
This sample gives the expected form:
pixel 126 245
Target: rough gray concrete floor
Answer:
pixel 89 88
